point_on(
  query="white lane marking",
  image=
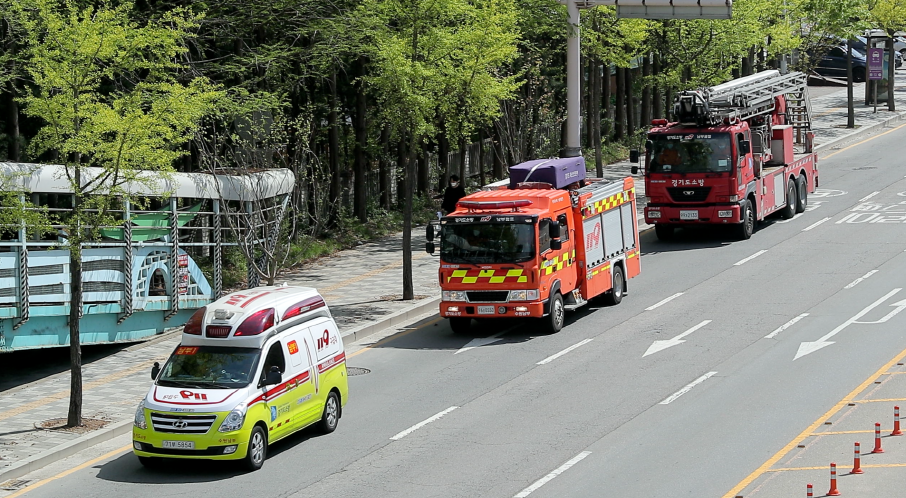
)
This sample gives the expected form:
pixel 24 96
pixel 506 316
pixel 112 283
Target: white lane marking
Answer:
pixel 663 302
pixel 561 353
pixel 422 424
pixel 750 258
pixel 869 196
pixel 810 347
pixel 863 277
pixel 482 341
pixel 898 307
pixel 559 470
pixel 688 388
pixel 785 326
pixel 662 345
pixel 813 225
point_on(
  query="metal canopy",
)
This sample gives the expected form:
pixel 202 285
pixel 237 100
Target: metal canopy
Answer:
pixel 666 9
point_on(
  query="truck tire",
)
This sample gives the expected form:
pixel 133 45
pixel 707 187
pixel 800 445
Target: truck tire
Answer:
pixel 553 322
pixel 330 417
pixel 615 295
pixel 461 324
pixel 789 210
pixel 664 232
pixel 257 449
pixel 747 227
pixel 802 190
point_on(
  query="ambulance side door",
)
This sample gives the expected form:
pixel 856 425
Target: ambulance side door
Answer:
pixel 327 353
pixel 278 396
pixel 299 348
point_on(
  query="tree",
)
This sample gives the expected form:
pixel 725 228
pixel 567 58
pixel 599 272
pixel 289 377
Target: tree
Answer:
pixel 435 60
pixel 889 15
pixel 106 92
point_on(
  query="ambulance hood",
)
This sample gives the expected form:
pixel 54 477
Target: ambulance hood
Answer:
pixel 180 399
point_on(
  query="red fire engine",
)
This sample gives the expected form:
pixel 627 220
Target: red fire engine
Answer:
pixel 737 153
pixel 548 242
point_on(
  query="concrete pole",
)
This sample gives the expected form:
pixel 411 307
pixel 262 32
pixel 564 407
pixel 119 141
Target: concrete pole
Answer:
pixel 573 146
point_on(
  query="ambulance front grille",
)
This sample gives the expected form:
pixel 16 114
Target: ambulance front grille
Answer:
pixel 182 424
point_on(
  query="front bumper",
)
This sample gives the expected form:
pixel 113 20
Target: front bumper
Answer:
pixel 510 309
pixel 693 215
pixel 211 446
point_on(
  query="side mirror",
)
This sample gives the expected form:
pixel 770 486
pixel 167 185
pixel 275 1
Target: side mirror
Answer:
pixel 745 147
pixel 556 244
pixel 273 377
pixel 155 371
pixel 429 248
pixel 429 232
pixel 634 170
pixel 554 230
pixel 648 145
pixel 634 156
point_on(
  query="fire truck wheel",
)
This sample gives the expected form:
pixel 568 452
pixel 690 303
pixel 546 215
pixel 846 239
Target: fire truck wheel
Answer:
pixel 802 189
pixel 791 198
pixel 554 321
pixel 747 227
pixel 615 295
pixel 663 232
pixel 461 325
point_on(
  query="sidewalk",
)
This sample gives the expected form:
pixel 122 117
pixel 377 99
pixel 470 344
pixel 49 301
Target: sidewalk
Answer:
pixel 363 287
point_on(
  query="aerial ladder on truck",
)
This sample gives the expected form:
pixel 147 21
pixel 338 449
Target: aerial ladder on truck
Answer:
pixel 762 118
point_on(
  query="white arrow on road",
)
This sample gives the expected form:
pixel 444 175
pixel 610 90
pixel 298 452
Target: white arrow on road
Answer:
pixel 482 341
pixel 899 306
pixel 662 345
pixel 810 347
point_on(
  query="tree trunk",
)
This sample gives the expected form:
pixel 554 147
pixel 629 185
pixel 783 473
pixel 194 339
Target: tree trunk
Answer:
pixel 408 289
pixel 12 122
pixel 401 168
pixel 497 147
pixel 74 417
pixel 630 103
pixel 658 107
pixel 333 154
pixel 423 170
pixel 443 157
pixel 595 122
pixel 590 102
pixel 619 111
pixel 463 152
pixel 360 195
pixel 850 107
pixel 482 179
pixel 646 91
pixel 891 101
pixel 384 169
pixel 605 88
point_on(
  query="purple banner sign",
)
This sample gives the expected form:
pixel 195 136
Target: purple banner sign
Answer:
pixel 875 63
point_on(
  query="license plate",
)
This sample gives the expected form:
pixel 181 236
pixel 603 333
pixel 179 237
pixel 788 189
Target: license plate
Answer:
pixel 485 310
pixel 688 215
pixel 180 445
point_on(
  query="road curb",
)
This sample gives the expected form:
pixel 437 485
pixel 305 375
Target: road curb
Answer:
pixel 62 451
pixel 867 130
pixel 401 317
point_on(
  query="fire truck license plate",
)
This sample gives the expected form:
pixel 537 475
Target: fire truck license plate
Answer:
pixel 180 445
pixel 485 310
pixel 688 215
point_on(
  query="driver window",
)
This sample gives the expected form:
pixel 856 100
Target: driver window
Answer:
pixel 544 236
pixel 564 228
pixel 274 358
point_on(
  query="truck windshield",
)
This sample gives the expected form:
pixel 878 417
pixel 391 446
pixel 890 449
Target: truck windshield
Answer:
pixel 209 367
pixel 487 243
pixel 690 153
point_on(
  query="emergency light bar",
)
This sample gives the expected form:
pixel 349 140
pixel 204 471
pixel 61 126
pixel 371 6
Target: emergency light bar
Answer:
pixel 481 205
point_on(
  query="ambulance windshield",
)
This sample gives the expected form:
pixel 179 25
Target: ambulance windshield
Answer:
pixel 482 243
pixel 690 153
pixel 209 367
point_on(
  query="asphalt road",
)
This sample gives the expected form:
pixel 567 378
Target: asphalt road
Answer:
pixel 587 412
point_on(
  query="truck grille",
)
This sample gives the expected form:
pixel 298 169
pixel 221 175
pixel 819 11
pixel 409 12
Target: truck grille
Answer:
pixel 689 194
pixel 182 424
pixel 488 296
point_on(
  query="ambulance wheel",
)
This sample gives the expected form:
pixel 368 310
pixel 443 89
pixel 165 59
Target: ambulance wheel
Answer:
pixel 257 450
pixel 789 210
pixel 747 227
pixel 461 324
pixel 331 416
pixel 802 189
pixel 554 321
pixel 663 232
pixel 150 462
pixel 615 295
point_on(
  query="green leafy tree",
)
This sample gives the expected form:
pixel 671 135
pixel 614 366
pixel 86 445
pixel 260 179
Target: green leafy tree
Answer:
pixel 106 92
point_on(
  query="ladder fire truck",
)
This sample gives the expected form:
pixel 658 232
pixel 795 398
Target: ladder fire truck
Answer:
pixel 737 153
pixel 548 241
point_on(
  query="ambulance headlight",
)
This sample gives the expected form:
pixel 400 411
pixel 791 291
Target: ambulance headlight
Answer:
pixel 140 416
pixel 453 295
pixel 234 421
pixel 524 295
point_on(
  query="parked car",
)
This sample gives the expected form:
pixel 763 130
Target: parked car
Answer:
pixel 899 47
pixel 833 64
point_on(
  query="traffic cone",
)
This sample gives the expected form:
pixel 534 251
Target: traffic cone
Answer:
pixel 896 422
pixel 857 462
pixel 833 488
pixel 808 491
pixel 878 448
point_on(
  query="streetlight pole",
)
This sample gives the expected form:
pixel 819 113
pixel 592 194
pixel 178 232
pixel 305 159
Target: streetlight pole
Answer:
pixel 573 146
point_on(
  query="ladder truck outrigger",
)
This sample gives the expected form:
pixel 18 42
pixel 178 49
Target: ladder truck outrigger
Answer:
pixel 737 153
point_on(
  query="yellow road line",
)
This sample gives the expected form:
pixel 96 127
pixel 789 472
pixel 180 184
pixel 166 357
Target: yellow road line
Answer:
pixel 825 467
pixel 895 373
pixel 863 141
pixel 63 394
pixel 834 433
pixel 70 471
pixel 811 428
pixel 391 338
pixel 888 400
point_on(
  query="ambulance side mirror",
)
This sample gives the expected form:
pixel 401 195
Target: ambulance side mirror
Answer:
pixel 273 377
pixel 429 248
pixel 155 371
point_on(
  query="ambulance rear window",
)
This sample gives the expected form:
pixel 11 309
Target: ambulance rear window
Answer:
pixel 210 367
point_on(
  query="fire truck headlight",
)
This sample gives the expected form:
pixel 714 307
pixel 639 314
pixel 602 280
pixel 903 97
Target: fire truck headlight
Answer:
pixel 524 295
pixel 453 296
pixel 654 214
pixel 233 421
pixel 140 416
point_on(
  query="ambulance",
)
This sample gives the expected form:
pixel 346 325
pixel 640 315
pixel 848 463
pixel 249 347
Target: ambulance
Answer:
pixel 252 368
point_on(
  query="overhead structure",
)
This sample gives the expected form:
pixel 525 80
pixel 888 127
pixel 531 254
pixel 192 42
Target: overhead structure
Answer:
pixel 638 9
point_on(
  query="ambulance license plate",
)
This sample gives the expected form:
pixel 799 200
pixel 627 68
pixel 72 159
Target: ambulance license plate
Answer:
pixel 180 445
pixel 485 310
pixel 688 215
